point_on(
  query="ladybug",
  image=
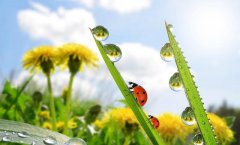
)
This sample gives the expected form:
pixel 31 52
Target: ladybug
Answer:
pixel 154 121
pixel 139 93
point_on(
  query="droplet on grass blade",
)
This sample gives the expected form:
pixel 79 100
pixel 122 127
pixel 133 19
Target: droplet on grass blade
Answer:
pixel 23 134
pixel 100 33
pixel 50 140
pixel 6 139
pixel 75 141
pixel 198 139
pixel 175 82
pixel 113 52
pixel 188 116
pixel 166 52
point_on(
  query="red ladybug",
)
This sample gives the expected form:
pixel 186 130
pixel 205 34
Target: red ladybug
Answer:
pixel 154 121
pixel 139 93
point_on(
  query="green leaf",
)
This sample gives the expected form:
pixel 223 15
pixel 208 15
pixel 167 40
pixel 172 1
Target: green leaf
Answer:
pixel 230 120
pixel 192 92
pixel 137 110
pixel 9 91
pixel 11 129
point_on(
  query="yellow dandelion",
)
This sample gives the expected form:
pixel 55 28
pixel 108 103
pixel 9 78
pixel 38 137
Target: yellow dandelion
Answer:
pixel 120 115
pixel 75 55
pixel 44 114
pixel 72 124
pixel 60 125
pixel 224 133
pixel 172 128
pixel 47 125
pixel 40 58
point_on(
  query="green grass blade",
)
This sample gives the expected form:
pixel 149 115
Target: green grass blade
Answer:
pixel 10 130
pixel 192 93
pixel 137 110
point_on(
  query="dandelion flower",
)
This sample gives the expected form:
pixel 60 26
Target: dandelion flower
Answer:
pixel 47 125
pixel 172 128
pixel 72 124
pixel 60 125
pixel 224 133
pixel 44 114
pixel 121 115
pixel 75 55
pixel 43 58
pixel 40 58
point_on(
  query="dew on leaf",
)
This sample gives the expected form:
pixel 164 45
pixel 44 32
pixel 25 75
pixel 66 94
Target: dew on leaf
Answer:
pixel 100 33
pixel 188 116
pixel 198 139
pixel 23 134
pixel 6 139
pixel 75 141
pixel 175 82
pixel 50 140
pixel 166 52
pixel 113 52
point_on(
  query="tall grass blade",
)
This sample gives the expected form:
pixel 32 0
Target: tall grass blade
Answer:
pixel 137 110
pixel 192 93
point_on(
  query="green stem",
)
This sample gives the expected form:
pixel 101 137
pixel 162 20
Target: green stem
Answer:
pixel 68 107
pixel 127 140
pixel 52 106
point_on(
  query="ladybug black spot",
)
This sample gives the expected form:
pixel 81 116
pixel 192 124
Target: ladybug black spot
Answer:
pixel 144 92
pixel 137 92
pixel 142 101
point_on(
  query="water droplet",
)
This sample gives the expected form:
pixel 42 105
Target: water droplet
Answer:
pixel 23 134
pixel 33 143
pixel 50 140
pixel 175 82
pixel 198 139
pixel 100 33
pixel 188 116
pixel 75 141
pixel 113 52
pixel 7 133
pixel 166 52
pixel 6 138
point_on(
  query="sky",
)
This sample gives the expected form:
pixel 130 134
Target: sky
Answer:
pixel 208 32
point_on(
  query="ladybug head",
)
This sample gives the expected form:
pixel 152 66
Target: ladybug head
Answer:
pixel 150 116
pixel 133 84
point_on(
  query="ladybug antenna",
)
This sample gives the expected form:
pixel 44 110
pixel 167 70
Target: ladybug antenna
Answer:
pixel 133 84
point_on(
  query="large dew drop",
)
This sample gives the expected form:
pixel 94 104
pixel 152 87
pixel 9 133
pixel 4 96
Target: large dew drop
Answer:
pixel 166 52
pixel 100 33
pixel 198 139
pixel 75 141
pixel 188 116
pixel 23 134
pixel 113 52
pixel 175 82
pixel 50 140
